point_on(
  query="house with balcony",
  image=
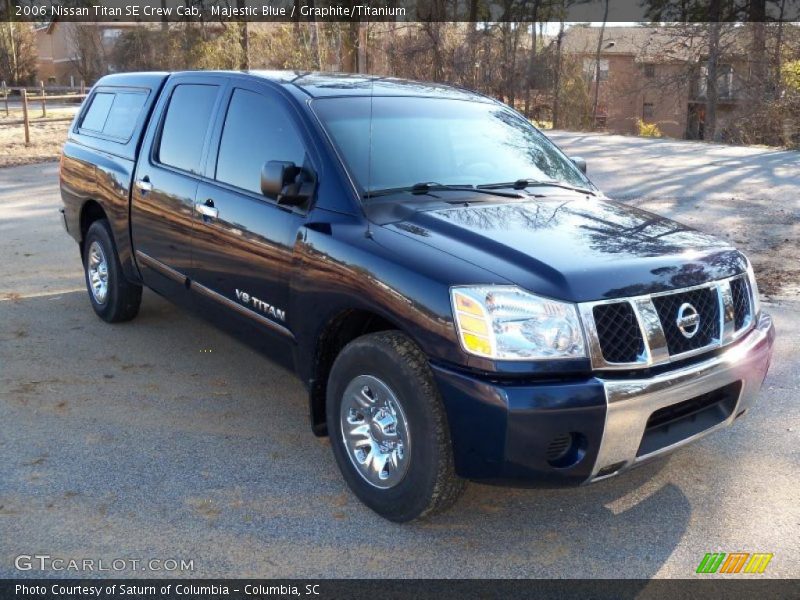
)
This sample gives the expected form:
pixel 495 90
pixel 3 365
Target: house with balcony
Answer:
pixel 656 75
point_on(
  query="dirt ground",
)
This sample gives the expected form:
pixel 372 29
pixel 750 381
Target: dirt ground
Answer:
pixel 46 142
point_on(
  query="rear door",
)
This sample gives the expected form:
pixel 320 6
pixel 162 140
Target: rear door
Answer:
pixel 244 241
pixel 166 180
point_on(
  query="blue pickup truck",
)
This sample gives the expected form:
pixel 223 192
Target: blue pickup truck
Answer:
pixel 459 299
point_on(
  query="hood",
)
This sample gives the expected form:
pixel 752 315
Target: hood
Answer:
pixel 575 248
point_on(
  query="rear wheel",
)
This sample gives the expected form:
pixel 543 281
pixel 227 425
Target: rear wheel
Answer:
pixel 113 297
pixel 389 430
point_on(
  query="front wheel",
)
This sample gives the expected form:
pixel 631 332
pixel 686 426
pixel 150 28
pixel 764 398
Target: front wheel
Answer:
pixel 388 428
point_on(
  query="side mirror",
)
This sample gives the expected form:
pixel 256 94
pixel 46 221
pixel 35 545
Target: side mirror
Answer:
pixel 579 162
pixel 286 182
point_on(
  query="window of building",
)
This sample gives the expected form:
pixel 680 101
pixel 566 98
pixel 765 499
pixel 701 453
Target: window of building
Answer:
pixel 649 71
pixel 589 71
pixel 725 82
pixel 257 129
pixel 648 111
pixel 184 131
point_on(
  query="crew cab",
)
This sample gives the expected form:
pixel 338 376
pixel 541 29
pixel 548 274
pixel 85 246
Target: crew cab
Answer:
pixel 459 299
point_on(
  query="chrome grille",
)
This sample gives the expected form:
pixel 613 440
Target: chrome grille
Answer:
pixel 618 331
pixel 706 302
pixel 741 303
pixel 643 331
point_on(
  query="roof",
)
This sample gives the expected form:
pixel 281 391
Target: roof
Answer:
pixel 320 85
pixel 616 40
pixel 49 26
pixel 649 43
pixel 323 85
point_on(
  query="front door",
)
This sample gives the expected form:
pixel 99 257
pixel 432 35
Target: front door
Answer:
pixel 165 183
pixel 243 243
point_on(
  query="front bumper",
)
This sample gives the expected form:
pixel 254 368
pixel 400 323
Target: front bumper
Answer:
pixel 569 433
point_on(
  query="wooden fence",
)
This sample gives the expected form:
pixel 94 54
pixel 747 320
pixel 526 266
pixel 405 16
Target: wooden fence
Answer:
pixel 28 100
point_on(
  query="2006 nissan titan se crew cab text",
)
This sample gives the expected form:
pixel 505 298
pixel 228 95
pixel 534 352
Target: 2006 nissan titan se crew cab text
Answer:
pixel 460 301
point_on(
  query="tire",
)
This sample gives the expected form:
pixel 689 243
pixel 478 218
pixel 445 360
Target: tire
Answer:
pixel 387 376
pixel 119 299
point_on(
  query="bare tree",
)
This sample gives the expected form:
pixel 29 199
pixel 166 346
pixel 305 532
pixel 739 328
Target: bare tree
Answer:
pixel 557 75
pixel 712 74
pixel 349 45
pixel 17 53
pixel 597 66
pixel 314 34
pixel 88 52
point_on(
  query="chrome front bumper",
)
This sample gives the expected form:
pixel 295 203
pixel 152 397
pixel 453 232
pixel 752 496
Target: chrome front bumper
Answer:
pixel 631 402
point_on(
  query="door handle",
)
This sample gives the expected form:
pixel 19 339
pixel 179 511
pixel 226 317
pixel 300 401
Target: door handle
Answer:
pixel 144 185
pixel 207 209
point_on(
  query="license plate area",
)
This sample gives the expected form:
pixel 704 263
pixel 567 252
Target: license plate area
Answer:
pixel 677 422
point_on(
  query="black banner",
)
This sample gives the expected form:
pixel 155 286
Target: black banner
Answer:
pixel 400 10
pixel 377 589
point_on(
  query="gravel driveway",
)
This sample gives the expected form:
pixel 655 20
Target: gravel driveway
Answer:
pixel 164 438
pixel 747 195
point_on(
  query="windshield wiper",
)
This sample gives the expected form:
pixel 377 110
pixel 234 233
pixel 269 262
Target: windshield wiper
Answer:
pixel 431 186
pixel 521 184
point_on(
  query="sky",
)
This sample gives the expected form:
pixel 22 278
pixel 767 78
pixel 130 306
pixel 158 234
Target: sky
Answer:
pixel 551 28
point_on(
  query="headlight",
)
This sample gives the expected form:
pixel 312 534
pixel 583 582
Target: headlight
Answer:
pixel 751 276
pixel 507 323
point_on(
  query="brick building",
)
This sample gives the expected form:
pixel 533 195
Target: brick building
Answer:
pixel 656 74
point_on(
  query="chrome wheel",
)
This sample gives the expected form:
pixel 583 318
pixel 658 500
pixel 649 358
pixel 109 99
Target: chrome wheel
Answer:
pixel 97 269
pixel 375 431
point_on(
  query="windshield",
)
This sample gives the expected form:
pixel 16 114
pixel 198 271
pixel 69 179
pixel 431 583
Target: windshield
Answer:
pixel 443 141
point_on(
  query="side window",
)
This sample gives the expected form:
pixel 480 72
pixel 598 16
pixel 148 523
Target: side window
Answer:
pixel 114 114
pixel 188 116
pixel 257 129
pixel 124 114
pixel 95 118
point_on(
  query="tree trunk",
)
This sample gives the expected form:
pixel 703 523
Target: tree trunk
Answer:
pixel 779 49
pixel 315 53
pixel 350 47
pixel 758 48
pixel 597 66
pixel 712 93
pixel 391 59
pixel 472 43
pixel 363 47
pixel 510 40
pixel 245 46
pixel 13 62
pixel 164 18
pixel 557 77
pixel 244 39
pixel 529 79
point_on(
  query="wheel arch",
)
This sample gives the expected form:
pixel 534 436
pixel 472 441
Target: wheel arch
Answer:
pixel 91 211
pixel 338 331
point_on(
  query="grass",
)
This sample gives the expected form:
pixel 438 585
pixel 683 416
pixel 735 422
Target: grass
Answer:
pixel 46 141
